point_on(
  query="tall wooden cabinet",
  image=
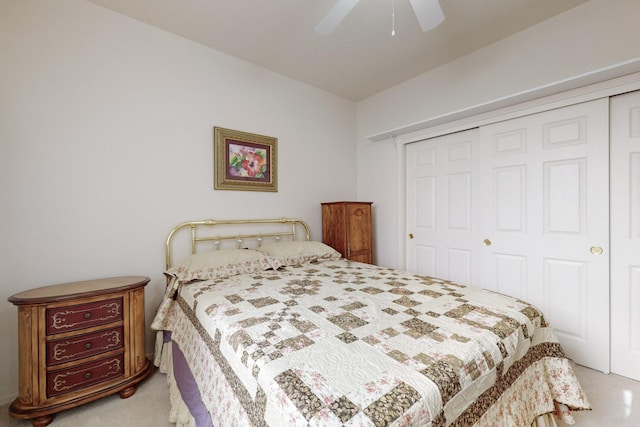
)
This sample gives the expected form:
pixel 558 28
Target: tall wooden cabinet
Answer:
pixel 346 227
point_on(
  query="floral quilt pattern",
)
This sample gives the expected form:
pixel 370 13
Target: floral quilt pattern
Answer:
pixel 340 343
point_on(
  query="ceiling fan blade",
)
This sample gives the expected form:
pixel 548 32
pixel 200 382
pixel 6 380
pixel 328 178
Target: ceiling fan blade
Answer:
pixel 428 12
pixel 335 16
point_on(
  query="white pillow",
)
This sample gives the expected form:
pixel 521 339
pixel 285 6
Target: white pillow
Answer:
pixel 298 252
pixel 223 263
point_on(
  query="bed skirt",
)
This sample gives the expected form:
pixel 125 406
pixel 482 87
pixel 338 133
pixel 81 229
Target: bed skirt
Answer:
pixel 179 411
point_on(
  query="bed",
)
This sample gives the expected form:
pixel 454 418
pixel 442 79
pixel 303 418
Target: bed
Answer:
pixel 270 328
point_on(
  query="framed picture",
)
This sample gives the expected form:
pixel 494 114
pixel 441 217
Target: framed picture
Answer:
pixel 244 161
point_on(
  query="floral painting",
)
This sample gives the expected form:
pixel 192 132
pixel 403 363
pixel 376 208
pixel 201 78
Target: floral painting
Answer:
pixel 244 161
pixel 247 161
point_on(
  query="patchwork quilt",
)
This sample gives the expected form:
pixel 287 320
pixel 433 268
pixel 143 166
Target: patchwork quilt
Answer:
pixel 340 343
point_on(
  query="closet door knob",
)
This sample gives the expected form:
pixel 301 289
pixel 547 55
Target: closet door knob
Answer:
pixel 596 250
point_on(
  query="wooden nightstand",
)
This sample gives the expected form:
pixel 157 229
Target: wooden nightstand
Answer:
pixel 78 342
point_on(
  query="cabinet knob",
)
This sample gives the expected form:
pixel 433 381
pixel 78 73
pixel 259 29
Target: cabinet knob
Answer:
pixel 87 345
pixel 87 315
pixel 87 375
pixel 410 235
pixel 487 242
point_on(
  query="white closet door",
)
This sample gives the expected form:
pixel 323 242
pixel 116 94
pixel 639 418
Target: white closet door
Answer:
pixel 625 235
pixel 521 207
pixel 442 190
pixel 546 223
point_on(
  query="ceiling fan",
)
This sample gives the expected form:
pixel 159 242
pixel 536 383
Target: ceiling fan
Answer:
pixel 428 12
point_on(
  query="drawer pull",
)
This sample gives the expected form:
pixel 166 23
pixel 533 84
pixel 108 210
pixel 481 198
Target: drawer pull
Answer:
pixel 87 375
pixel 87 315
pixel 87 345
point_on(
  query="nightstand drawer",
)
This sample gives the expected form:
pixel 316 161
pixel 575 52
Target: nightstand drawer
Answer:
pixel 81 376
pixel 77 347
pixel 74 317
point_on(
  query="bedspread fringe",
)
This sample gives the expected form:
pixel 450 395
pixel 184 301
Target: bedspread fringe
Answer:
pixel 534 396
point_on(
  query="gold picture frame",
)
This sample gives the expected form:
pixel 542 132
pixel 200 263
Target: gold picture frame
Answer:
pixel 244 161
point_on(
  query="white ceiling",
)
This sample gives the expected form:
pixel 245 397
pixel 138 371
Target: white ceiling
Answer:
pixel 360 58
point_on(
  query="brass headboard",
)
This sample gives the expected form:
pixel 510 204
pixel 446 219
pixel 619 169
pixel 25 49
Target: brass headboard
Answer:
pixel 240 239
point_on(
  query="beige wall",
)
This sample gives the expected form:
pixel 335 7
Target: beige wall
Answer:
pixel 106 144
